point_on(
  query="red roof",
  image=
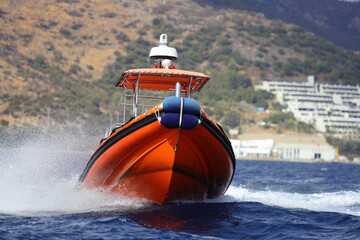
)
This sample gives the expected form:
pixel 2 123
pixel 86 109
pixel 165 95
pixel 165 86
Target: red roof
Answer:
pixel 162 79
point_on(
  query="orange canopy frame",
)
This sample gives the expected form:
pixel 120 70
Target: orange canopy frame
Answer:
pixel 162 79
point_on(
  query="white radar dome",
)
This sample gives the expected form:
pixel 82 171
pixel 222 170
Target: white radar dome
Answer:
pixel 163 51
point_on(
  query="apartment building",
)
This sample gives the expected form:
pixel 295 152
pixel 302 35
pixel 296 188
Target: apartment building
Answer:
pixel 331 108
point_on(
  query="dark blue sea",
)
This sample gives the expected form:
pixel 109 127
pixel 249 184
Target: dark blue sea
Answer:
pixel 41 199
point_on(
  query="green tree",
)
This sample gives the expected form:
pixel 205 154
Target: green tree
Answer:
pixel 231 119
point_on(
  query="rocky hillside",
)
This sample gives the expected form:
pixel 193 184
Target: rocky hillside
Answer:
pixel 338 21
pixel 59 59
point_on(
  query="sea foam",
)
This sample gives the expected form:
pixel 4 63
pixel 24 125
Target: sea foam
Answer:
pixel 41 178
pixel 342 202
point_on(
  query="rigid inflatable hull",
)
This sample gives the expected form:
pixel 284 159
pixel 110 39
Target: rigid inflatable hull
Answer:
pixel 141 161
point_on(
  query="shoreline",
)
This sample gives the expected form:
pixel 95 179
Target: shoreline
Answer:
pixel 296 160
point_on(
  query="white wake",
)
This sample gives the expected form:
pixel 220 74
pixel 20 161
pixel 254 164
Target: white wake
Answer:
pixel 42 179
pixel 347 202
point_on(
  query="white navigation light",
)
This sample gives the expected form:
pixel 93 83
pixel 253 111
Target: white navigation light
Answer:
pixel 163 51
pixel 166 63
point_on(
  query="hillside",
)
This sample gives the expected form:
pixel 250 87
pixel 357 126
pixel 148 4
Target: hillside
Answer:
pixel 59 60
pixel 338 21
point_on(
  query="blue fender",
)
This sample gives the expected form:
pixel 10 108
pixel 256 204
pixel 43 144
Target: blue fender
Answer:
pixel 173 104
pixel 171 113
pixel 171 120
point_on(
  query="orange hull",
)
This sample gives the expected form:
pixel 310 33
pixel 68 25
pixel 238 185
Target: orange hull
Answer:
pixel 140 160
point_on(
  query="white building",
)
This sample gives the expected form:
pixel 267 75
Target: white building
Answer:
pixel 303 152
pixel 259 148
pixel 329 107
pixel 281 147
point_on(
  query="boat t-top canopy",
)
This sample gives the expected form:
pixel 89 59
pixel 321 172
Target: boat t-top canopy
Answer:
pixel 162 79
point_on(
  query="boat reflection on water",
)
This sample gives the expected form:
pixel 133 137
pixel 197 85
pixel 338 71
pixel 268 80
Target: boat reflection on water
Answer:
pixel 194 218
pixel 191 217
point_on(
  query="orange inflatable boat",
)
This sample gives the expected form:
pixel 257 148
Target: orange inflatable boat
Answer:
pixel 171 151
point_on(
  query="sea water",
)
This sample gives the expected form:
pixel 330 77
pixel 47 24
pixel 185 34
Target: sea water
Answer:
pixel 40 198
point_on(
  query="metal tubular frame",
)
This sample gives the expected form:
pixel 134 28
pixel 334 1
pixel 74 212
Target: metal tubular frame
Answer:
pixel 135 95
